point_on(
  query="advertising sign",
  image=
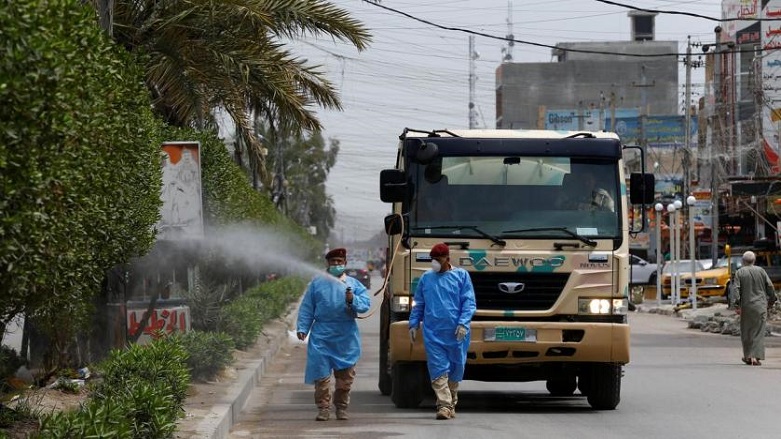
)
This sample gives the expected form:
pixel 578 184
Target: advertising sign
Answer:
pixel 660 131
pixel 181 215
pixel 572 120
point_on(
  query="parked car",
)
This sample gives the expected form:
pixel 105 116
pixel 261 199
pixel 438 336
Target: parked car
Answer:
pixel 642 271
pixel 713 280
pixel 684 268
pixel 359 272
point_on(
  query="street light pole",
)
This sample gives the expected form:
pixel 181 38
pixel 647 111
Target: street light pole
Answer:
pixel 678 204
pixel 659 261
pixel 673 266
pixel 690 200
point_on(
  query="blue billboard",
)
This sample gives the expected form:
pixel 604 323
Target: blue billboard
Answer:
pixel 660 131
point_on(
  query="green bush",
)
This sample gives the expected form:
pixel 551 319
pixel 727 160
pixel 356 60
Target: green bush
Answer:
pixel 242 321
pixel 141 395
pixel 209 353
pixel 104 419
pixel 162 363
pixel 243 318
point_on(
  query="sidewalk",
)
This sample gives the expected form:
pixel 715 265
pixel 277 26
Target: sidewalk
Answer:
pixel 211 409
pixel 715 318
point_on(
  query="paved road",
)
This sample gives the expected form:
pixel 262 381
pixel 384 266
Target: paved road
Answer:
pixel 681 384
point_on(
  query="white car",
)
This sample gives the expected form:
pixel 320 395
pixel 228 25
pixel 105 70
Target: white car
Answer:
pixel 642 271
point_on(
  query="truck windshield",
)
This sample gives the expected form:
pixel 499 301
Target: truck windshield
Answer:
pixel 498 194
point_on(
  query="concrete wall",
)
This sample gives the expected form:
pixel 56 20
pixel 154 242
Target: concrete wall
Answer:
pixel 576 82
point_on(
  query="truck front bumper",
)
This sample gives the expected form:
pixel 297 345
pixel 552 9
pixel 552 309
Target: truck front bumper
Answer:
pixel 555 342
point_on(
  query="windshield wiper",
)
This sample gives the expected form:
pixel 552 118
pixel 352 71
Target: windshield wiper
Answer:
pixel 475 228
pixel 581 238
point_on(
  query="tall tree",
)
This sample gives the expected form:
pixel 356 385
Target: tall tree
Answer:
pixel 301 164
pixel 207 54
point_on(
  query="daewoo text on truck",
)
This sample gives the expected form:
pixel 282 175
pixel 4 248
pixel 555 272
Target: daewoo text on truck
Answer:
pixel 539 220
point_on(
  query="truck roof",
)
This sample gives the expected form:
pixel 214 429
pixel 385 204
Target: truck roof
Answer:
pixel 521 134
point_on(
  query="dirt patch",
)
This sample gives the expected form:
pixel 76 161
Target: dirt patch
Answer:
pixel 26 408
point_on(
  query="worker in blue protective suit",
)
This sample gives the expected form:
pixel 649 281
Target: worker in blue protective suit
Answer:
pixel 327 313
pixel 444 303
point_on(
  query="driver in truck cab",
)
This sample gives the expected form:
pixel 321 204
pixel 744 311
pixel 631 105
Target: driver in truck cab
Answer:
pixel 444 303
pixel 585 194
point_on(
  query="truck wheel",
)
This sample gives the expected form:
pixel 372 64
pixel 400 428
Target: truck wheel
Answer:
pixel 561 386
pixel 604 391
pixel 408 385
pixel 584 384
pixel 385 382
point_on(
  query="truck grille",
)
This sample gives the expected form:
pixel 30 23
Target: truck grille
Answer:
pixel 540 290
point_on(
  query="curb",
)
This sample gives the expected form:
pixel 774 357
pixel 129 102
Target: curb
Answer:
pixel 223 415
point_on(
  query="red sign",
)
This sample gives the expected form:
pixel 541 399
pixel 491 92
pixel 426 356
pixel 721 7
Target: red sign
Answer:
pixel 162 321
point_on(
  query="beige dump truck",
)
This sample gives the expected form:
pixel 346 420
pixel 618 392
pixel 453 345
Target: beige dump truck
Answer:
pixel 539 220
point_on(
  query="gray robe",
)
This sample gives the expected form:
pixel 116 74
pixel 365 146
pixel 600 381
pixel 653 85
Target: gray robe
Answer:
pixel 753 293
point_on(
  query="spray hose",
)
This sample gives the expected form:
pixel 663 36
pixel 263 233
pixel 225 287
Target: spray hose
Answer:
pixel 388 265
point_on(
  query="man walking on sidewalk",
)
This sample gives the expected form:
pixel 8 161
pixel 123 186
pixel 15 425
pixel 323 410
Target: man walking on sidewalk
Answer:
pixel 444 303
pixel 327 313
pixel 753 295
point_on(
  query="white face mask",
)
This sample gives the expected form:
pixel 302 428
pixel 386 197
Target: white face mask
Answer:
pixel 435 265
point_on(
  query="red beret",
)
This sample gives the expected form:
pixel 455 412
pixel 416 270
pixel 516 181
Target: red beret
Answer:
pixel 337 253
pixel 440 249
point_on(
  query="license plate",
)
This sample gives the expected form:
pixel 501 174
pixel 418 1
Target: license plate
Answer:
pixel 506 333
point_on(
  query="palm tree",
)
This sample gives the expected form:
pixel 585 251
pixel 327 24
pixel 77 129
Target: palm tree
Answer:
pixel 205 54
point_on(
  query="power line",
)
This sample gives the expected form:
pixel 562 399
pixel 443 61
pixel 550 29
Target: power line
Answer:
pixel 570 49
pixel 688 14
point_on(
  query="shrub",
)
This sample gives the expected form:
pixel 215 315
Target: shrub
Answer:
pixel 210 352
pixel 242 321
pixel 140 396
pixel 161 364
pixel 104 419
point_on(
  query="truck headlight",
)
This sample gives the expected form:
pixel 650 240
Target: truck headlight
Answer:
pixel 401 303
pixel 602 306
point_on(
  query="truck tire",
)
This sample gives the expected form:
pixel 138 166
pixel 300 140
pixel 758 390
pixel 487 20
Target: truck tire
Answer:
pixel 561 386
pixel 409 385
pixel 385 381
pixel 604 389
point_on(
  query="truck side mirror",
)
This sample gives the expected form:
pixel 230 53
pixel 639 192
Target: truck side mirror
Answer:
pixel 393 185
pixel 393 223
pixel 641 188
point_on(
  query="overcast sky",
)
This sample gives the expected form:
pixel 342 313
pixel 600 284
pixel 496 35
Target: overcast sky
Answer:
pixel 414 75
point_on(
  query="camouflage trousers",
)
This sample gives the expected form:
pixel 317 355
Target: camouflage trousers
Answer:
pixel 344 382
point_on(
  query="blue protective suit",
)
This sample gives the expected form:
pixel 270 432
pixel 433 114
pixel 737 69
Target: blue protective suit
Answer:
pixel 334 340
pixel 443 301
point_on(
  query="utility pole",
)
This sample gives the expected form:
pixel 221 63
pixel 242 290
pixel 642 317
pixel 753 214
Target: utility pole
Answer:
pixel 612 111
pixel 714 181
pixel 601 110
pixel 688 120
pixel 644 109
pixel 507 52
pixel 472 81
